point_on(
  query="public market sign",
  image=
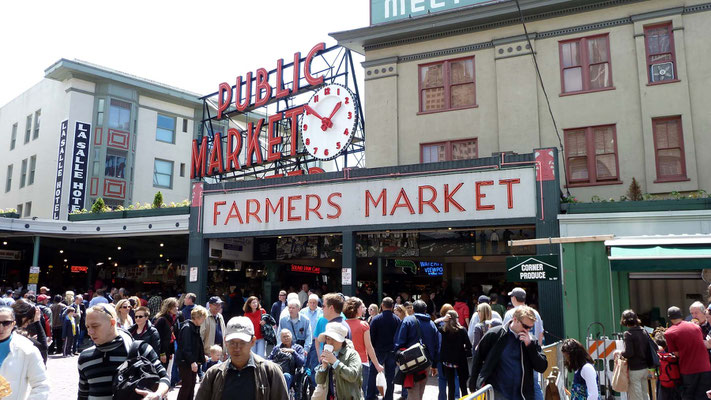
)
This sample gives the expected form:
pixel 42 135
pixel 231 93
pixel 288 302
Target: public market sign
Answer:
pixel 472 195
pixel 532 268
pixel 382 11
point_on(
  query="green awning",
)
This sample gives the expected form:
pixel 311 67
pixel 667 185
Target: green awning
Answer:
pixel 660 258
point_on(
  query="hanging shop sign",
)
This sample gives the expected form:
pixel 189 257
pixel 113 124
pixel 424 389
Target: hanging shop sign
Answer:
pixel 305 268
pixel 14 255
pixel 79 269
pixel 234 249
pixel 432 268
pixel 80 155
pixel 472 195
pixel 60 168
pixel 382 11
pixel 532 268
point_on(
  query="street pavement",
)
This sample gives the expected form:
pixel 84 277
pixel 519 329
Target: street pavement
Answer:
pixel 64 377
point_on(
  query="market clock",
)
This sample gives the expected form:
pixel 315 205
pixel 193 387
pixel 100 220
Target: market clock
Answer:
pixel 329 121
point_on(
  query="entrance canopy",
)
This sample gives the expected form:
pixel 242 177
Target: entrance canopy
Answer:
pixel 660 253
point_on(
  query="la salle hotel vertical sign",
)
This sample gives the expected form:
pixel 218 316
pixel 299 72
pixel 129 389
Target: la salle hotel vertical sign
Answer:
pixel 80 156
pixel 56 207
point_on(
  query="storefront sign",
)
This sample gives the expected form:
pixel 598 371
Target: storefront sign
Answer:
pixel 474 195
pixel 346 277
pixel 60 168
pixel 392 10
pixel 33 278
pixel 82 134
pixel 79 268
pixel 193 274
pixel 305 268
pixel 432 268
pixel 10 255
pixel 532 268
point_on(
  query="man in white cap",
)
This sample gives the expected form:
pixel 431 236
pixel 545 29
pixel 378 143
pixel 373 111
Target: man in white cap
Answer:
pixel 313 312
pixel 247 375
pixel 340 368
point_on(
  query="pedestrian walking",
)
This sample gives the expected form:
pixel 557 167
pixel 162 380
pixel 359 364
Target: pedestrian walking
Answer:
pixel 279 306
pixel 212 331
pixel 408 335
pixel 254 311
pixel 453 353
pixel 69 332
pixel 383 329
pixel 340 369
pixel 57 323
pixel 354 310
pixel 144 330
pixel 80 316
pixel 485 313
pixel 638 355
pixel 27 319
pixel 166 322
pixel 188 304
pixel 190 354
pixel 585 380
pixel 20 361
pixel 685 339
pixel 313 313
pixel 123 309
pixel 298 325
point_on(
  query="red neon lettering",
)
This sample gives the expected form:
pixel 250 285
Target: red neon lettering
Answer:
pixel 270 208
pixel 234 147
pixel 280 90
pixel 369 199
pixel 421 201
pixel 293 114
pixel 480 196
pixel 509 189
pixel 291 208
pixel 198 158
pixel 216 154
pixel 310 209
pixel 402 196
pixel 253 146
pixel 215 213
pixel 307 65
pixel 239 104
pixel 222 102
pixel 334 205
pixel 262 84
pixel 254 213
pixel 234 213
pixel 448 198
pixel 272 139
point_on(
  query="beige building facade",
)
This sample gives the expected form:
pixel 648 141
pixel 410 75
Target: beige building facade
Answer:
pixel 628 84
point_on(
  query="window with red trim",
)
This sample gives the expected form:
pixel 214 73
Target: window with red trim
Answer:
pixel 585 64
pixel 591 155
pixel 447 85
pixel 669 148
pixel 661 58
pixel 449 151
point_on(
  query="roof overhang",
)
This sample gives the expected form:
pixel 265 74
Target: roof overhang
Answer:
pixel 660 253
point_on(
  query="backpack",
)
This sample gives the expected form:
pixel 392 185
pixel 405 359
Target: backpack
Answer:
pixel 669 373
pixel 137 372
pixel 267 330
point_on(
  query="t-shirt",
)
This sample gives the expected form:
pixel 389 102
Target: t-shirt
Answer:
pixel 358 329
pixel 321 328
pixel 256 318
pixel 5 348
pixel 686 340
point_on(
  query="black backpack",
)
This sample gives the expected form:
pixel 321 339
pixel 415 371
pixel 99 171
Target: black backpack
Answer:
pixel 137 372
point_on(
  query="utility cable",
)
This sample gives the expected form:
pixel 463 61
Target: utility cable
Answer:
pixel 545 93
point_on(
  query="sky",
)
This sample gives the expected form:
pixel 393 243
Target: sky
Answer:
pixel 192 45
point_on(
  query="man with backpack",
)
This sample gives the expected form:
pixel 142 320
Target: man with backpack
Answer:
pixel 419 328
pixel 686 341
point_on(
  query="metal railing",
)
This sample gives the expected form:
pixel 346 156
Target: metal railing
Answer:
pixel 485 393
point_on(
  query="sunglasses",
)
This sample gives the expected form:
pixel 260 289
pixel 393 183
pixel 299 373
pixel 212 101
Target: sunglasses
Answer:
pixel 6 323
pixel 125 306
pixel 140 316
pixel 526 327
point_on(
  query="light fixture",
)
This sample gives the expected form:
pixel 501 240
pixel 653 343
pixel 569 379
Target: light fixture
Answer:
pixel 160 255
pixel 99 264
pixel 65 260
pixel 109 258
pixel 370 263
pixel 449 229
pixel 115 264
pixel 333 260
pixel 278 237
pixel 161 245
pixel 167 259
pixel 477 258
pixel 119 248
pixel 4 243
pixel 61 251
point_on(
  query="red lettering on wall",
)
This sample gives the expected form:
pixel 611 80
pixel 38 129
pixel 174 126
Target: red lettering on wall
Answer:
pixel 234 213
pixel 297 172
pixel 479 195
pixel 234 147
pixel 430 201
pixel 402 201
pixel 215 213
pixel 253 147
pixel 297 70
pixel 239 104
pixel 291 207
pixel 293 113
pixel 253 213
pixel 262 89
pixel 335 205
pixel 307 65
pixel 272 139
pixel 270 208
pixel 223 102
pixel 369 199
pixel 216 154
pixel 281 91
pixel 509 189
pixel 449 197
pixel 198 165
pixel 314 209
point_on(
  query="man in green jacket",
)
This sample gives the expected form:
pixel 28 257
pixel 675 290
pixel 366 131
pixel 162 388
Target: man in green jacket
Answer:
pixel 340 367
pixel 246 376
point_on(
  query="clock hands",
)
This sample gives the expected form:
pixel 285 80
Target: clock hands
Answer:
pixel 325 121
pixel 334 111
pixel 311 111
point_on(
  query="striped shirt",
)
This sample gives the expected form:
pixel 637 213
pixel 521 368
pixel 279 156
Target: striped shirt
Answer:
pixel 98 366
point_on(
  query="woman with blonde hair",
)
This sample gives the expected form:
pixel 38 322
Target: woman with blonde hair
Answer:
pixel 486 321
pixel 68 298
pixel 399 311
pixel 123 309
pixel 453 353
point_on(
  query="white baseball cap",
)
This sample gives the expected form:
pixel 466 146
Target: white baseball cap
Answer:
pixel 239 328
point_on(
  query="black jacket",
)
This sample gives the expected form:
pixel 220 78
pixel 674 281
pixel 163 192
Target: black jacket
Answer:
pixel 489 354
pixel 455 346
pixel 190 348
pixel 150 335
pixel 166 327
pixel 636 348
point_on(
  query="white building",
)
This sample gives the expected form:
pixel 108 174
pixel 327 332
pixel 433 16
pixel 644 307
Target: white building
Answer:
pixel 139 141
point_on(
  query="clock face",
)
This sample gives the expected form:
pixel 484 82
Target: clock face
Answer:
pixel 329 122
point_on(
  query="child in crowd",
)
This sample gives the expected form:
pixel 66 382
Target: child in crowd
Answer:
pixel 215 357
pixel 669 374
pixel 69 330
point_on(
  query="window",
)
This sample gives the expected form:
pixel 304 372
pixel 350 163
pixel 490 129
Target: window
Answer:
pixel 28 209
pixel 669 149
pixel 182 170
pixel 33 164
pixel 100 113
pixel 38 114
pixel 120 115
pixel 28 128
pixel 661 59
pixel 8 179
pixel 115 164
pixel 23 173
pixel 585 64
pixel 447 85
pixel 163 173
pixel 13 138
pixel 165 132
pixel 591 155
pixel 185 125
pixel 19 210
pixel 449 151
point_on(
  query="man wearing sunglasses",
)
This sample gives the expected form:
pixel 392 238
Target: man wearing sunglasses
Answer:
pixel 507 356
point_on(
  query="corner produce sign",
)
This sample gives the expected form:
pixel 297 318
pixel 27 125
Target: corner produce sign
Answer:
pixel 532 268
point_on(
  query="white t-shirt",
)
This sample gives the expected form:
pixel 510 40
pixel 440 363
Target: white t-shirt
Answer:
pixel 590 376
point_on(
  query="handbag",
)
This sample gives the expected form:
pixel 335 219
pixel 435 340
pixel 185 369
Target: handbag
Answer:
pixel 653 356
pixel 621 375
pixel 414 359
pixel 320 392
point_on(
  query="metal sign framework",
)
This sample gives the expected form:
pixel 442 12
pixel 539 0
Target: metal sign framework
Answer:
pixel 335 64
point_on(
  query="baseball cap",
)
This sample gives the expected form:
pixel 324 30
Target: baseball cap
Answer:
pixel 518 293
pixel 484 299
pixel 239 328
pixel 674 312
pixel 215 300
pixel 336 331
pixel 42 297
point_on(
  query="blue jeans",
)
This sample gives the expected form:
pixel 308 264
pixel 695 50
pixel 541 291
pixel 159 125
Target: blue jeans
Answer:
pixel 78 339
pixel 260 348
pixel 288 378
pixel 387 360
pixel 537 392
pixel 365 373
pixel 311 363
pixel 442 383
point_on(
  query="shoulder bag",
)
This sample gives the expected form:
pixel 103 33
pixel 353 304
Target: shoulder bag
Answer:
pixel 415 358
